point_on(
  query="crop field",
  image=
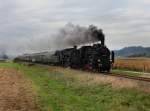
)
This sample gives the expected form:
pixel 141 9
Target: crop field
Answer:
pixel 59 89
pixel 133 64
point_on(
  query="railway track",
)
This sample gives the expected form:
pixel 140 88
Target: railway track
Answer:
pixel 110 74
pixel 131 77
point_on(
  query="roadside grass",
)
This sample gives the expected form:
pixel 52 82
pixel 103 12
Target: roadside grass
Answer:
pixel 64 92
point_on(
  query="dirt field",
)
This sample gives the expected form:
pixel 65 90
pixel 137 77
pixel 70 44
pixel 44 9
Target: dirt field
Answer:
pixel 15 93
pixel 135 64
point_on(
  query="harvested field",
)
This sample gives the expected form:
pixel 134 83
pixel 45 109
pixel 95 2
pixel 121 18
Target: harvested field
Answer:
pixel 15 93
pixel 134 64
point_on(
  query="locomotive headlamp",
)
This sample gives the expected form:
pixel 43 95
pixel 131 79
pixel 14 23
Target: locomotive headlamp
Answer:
pixel 99 60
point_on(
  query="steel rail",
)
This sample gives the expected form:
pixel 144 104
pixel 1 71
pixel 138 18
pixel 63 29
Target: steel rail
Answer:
pixel 107 74
pixel 131 77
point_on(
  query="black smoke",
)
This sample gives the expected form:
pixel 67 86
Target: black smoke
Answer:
pixel 67 36
pixel 77 35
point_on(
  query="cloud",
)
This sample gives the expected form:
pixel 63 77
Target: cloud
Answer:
pixel 29 25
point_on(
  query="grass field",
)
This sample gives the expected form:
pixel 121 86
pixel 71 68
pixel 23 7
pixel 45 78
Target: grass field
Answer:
pixel 133 64
pixel 66 92
pixel 127 72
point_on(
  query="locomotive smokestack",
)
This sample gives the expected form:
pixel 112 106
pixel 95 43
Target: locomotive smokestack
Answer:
pixel 75 47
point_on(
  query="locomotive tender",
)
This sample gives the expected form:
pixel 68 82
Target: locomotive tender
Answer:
pixel 96 57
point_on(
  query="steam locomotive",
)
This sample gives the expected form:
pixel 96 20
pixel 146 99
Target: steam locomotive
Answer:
pixel 96 57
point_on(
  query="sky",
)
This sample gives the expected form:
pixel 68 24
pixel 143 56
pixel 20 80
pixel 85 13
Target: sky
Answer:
pixel 29 25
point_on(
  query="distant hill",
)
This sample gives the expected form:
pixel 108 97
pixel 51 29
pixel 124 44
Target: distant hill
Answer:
pixel 3 56
pixel 134 51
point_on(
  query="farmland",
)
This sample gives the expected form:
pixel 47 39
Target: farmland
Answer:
pixel 133 64
pixel 61 89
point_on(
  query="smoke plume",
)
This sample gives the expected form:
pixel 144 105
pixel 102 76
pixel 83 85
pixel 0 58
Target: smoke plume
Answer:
pixel 76 35
pixel 68 36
